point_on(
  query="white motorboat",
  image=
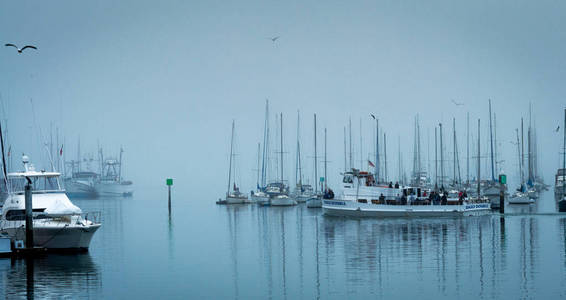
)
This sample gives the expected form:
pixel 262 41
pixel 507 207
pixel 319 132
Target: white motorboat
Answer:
pixel 57 223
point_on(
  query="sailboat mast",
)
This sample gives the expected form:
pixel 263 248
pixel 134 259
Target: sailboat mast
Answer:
pixel 230 164
pixel 345 160
pixel 265 145
pixel 385 156
pixel 519 155
pixel 315 158
pixel 298 159
pixel 361 148
pixel 467 149
pixel 491 144
pixel 325 162
pixel 454 147
pixel 281 135
pixel 522 152
pixel 258 164
pixel 3 158
pixel 479 162
pixel 563 157
pixel 441 157
pixel 435 157
pixel 350 125
pixel 377 150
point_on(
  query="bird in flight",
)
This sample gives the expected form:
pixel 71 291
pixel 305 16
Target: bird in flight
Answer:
pixel 273 39
pixel 558 128
pixel 20 50
pixel 456 103
pixel 372 116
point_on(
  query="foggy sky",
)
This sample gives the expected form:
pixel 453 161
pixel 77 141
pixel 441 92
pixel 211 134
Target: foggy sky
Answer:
pixel 165 79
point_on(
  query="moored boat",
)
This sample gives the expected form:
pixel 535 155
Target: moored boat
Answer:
pixel 57 222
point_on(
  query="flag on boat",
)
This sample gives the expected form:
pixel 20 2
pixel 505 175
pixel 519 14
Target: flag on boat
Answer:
pixel 371 164
pixel 61 150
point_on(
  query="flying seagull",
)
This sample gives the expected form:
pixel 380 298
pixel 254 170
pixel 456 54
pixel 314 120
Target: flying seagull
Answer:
pixel 457 104
pixel 20 50
pixel 558 128
pixel 273 39
pixel 372 116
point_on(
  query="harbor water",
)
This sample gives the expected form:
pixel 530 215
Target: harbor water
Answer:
pixel 203 250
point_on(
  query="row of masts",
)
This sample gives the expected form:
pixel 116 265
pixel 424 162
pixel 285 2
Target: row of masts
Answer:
pixel 420 173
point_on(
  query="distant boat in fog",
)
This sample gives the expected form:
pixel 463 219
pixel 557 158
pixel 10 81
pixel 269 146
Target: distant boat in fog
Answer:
pixel 110 183
pixel 233 194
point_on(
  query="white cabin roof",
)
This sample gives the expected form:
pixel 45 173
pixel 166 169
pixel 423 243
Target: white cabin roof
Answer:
pixel 34 174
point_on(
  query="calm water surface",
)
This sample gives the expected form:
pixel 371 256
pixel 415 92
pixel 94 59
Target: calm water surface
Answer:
pixel 241 252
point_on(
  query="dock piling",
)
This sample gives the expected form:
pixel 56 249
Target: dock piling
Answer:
pixel 29 215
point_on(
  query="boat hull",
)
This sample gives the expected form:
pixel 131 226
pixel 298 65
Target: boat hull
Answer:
pixel 77 189
pixel 276 201
pixel 57 237
pixel 236 200
pixel 260 199
pixel 314 203
pixel 114 189
pixel 354 209
pixel 520 200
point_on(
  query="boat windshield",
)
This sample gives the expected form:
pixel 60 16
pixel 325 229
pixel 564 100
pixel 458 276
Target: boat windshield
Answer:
pixel 39 184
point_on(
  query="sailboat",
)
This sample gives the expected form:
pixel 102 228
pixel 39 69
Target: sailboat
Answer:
pixel 302 191
pixel 233 194
pixel 520 196
pixel 315 200
pixel 280 195
pixel 560 188
pixel 491 189
pixel 260 196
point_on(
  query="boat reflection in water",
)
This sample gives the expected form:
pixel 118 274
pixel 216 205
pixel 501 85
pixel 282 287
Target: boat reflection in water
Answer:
pixel 302 254
pixel 69 276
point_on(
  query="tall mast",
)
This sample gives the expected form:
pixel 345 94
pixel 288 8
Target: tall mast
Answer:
pixel 399 161
pixel 530 153
pixel 281 120
pixel 419 150
pixel 325 162
pixel 377 150
pixel 265 146
pixel 479 162
pixel 454 132
pixel 564 157
pixel 520 162
pixel 361 148
pixel 491 144
pixel 298 175
pixel 441 157
pixel 230 165
pixel 120 167
pixel 435 157
pixel 522 152
pixel 350 125
pixel 385 155
pixel 315 158
pixel 467 149
pixel 258 164
pixel 495 143
pixel 345 160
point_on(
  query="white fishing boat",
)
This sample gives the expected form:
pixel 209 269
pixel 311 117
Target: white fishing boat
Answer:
pixel 110 183
pixel 81 185
pixel 233 194
pixel 361 197
pixel 57 222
